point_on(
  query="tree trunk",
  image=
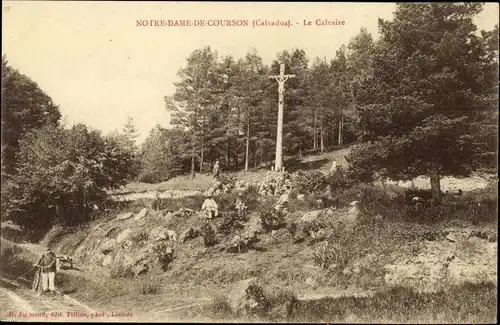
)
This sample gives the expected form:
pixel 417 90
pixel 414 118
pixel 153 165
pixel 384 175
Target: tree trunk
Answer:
pixel 192 165
pixel 193 153
pixel 314 139
pixel 435 185
pixel 201 156
pixel 247 149
pixel 333 133
pixel 314 132
pixel 322 138
pixel 340 132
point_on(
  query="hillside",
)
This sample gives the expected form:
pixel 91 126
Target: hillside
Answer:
pixel 384 248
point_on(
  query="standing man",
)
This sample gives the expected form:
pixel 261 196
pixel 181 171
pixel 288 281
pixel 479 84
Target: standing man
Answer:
pixel 216 170
pixel 47 264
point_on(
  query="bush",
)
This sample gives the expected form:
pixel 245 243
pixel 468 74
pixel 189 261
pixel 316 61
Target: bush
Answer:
pixel 140 237
pixel 121 271
pixel 149 286
pixel 165 254
pixel 338 179
pixel 232 223
pixel 327 255
pixel 272 219
pixel 309 181
pixel 284 303
pixel 209 235
pixel 220 307
pixel 258 302
pixel 227 179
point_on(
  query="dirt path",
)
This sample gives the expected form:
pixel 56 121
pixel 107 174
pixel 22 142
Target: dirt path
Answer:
pixel 20 302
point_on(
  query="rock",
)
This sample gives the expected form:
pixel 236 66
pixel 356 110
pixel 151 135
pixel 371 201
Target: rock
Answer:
pixel 189 233
pixel 239 300
pixel 311 282
pixel 127 244
pixel 112 232
pixel 127 260
pixel 125 216
pixel 311 215
pixel 141 267
pixel 123 235
pixel 158 234
pixel 353 214
pixel 168 216
pixel 172 236
pixel 107 260
pixel 141 214
pixel 451 237
pixel 108 245
pixel 301 197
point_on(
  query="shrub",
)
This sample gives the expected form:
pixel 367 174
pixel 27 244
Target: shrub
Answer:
pixel 209 235
pixel 121 271
pixel 327 255
pixel 338 179
pixel 149 286
pixel 284 303
pixel 140 237
pixel 258 302
pixel 272 219
pixel 309 181
pixel 232 222
pixel 165 254
pixel 220 306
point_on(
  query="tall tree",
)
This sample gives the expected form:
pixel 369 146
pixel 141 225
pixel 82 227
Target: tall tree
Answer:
pixel 195 97
pixel 24 107
pixel 248 90
pixel 428 87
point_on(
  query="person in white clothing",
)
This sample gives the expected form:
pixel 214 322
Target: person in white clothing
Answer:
pixel 210 207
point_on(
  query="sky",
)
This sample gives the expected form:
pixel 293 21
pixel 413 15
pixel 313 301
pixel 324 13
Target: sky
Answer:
pixel 101 68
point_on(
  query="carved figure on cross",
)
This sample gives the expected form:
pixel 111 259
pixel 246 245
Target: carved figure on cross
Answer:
pixel 281 79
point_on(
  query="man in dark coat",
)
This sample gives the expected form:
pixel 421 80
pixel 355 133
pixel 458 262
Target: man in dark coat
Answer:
pixel 47 265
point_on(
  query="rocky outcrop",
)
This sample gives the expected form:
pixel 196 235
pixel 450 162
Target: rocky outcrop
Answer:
pixel 123 235
pixel 141 214
pixel 246 295
pixel 456 259
pixel 189 233
pixel 125 216
pixel 311 215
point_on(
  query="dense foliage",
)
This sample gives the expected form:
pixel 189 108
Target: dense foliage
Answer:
pixel 427 102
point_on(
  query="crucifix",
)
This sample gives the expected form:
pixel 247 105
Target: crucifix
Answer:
pixel 281 79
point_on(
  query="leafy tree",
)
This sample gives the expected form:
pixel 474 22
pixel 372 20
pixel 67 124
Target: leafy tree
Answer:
pixel 427 90
pixel 62 174
pixel 161 158
pixel 24 107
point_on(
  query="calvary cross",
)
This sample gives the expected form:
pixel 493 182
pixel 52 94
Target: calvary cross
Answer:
pixel 281 79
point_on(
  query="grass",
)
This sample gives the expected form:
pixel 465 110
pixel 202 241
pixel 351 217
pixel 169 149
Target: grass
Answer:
pixel 202 181
pixel 199 271
pixel 466 303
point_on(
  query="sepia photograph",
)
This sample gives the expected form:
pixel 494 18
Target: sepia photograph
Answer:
pixel 249 162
